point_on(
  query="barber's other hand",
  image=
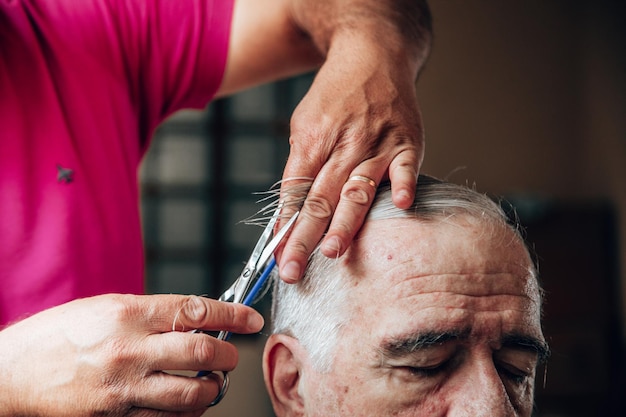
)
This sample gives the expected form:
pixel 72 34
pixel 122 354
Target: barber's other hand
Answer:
pixel 106 356
pixel 360 118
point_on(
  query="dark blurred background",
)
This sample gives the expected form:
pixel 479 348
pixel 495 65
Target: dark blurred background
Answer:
pixel 526 100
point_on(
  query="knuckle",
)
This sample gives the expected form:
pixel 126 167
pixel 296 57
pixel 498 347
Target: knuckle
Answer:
pixel 406 160
pixel 196 310
pixel 202 350
pixel 191 395
pixel 303 119
pixel 238 317
pixel 318 208
pixel 300 247
pixel 356 194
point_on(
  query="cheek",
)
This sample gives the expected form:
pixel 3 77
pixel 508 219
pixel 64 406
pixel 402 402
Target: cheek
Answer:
pixel 350 389
pixel 333 395
pixel 523 398
pixel 356 393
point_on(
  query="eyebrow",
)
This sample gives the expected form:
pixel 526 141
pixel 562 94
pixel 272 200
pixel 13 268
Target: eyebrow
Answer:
pixel 398 347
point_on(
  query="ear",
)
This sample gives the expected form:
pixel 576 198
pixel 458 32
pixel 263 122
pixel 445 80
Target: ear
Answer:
pixel 282 370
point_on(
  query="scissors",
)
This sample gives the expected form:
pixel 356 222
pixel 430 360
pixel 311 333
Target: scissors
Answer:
pixel 240 292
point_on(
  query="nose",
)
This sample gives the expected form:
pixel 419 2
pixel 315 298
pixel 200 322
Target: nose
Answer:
pixel 481 393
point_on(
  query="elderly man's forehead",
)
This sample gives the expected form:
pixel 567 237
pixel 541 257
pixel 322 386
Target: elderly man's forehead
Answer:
pixel 408 247
pixel 409 275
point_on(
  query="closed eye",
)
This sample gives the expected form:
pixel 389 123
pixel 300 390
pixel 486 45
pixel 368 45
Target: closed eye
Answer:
pixel 512 373
pixel 516 365
pixel 425 372
pixel 429 371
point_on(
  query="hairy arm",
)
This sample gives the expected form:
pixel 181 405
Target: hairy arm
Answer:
pixel 360 117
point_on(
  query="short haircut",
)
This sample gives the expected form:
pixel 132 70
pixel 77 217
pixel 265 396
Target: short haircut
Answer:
pixel 313 310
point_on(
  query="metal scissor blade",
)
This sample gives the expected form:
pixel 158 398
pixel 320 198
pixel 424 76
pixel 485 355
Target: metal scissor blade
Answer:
pixel 239 289
pixel 253 262
pixel 243 283
pixel 260 255
pixel 271 247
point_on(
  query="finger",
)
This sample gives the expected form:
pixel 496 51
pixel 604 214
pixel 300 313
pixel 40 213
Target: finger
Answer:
pixel 178 312
pixel 315 215
pixel 190 351
pixel 357 195
pixel 403 174
pixel 177 393
pixel 297 180
pixel 293 193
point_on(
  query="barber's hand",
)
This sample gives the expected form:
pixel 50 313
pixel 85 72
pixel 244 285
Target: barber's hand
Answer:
pixel 106 356
pixel 360 118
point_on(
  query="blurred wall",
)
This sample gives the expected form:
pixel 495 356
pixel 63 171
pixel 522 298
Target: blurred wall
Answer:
pixel 529 98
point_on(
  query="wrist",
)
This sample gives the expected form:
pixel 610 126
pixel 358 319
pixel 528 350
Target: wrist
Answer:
pixel 399 29
pixel 381 51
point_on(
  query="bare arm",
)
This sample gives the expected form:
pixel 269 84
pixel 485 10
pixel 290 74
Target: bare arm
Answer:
pixel 360 117
pixel 265 45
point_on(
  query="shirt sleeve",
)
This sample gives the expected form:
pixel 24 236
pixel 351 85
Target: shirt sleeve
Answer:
pixel 170 54
pixel 182 49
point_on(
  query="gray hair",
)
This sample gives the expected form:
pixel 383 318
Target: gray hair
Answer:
pixel 313 311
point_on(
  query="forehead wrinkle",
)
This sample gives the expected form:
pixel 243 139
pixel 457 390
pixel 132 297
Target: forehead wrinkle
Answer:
pixel 478 284
pixel 522 303
pixel 482 302
pixel 458 318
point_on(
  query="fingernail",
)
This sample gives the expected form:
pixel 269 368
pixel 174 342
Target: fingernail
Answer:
pixel 403 199
pixel 255 321
pixel 290 272
pixel 404 195
pixel 332 245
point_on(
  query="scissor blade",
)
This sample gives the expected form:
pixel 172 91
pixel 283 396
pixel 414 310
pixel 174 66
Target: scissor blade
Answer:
pixel 236 292
pixel 242 285
pixel 271 247
pixel 253 262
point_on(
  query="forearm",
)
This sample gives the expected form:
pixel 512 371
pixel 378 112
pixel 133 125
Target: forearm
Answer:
pixel 397 29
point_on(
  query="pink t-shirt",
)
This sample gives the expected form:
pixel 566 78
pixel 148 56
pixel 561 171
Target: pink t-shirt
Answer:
pixel 83 84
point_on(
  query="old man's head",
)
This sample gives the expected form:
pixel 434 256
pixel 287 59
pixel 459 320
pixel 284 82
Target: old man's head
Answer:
pixel 433 311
